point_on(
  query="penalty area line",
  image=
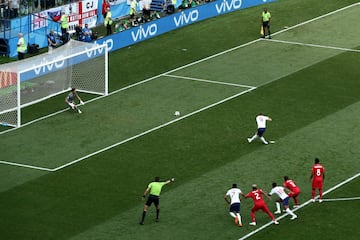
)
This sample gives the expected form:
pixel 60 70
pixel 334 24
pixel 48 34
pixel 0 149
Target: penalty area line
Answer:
pixel 26 166
pixel 301 206
pixel 153 129
pixel 340 199
pixel 208 81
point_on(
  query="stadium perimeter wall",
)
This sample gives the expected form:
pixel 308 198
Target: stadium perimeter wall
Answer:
pixel 150 29
pixel 175 21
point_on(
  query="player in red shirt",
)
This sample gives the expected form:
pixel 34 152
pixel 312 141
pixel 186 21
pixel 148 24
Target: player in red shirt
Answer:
pixel 294 189
pixel 317 178
pixel 259 204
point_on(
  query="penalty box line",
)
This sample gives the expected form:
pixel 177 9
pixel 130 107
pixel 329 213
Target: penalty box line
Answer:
pixel 208 81
pixel 188 65
pixel 313 45
pixel 301 206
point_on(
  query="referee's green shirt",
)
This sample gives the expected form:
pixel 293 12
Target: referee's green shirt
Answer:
pixel 266 16
pixel 155 188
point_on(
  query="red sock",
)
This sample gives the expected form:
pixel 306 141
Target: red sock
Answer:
pixel 313 193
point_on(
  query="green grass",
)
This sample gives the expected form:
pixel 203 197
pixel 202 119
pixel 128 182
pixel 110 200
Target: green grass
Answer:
pixel 312 95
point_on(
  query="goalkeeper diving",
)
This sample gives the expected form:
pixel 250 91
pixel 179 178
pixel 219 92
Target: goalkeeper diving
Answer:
pixel 70 100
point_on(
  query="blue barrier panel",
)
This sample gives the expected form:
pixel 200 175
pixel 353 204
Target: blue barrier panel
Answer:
pixel 176 20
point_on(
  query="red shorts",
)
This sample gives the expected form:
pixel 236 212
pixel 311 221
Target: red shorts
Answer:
pixel 260 206
pixel 317 184
pixel 294 194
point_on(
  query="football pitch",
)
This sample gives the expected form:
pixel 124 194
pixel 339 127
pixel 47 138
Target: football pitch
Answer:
pixel 70 176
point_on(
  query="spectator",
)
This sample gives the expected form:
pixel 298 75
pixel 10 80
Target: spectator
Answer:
pixel 108 21
pixel 132 12
pixel 144 6
pixel 119 27
pixel 64 23
pixel 14 8
pixel 21 46
pixel 51 41
pixel 86 33
pixel 105 5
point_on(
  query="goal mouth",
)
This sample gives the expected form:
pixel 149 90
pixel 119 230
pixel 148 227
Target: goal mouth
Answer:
pixel 76 64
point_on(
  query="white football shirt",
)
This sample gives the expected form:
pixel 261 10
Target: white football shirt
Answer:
pixel 234 194
pixel 280 191
pixel 261 121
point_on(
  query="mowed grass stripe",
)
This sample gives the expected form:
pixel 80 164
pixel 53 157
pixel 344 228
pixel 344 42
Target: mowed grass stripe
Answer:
pixel 112 120
pixel 198 206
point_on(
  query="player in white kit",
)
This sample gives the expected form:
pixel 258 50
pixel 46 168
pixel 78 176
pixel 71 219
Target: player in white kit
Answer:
pixel 261 120
pixel 234 195
pixel 284 198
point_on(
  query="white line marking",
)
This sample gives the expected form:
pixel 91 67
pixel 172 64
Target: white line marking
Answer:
pixel 152 78
pixel 26 166
pixel 301 206
pixel 313 45
pixel 340 199
pixel 153 129
pixel 208 81
pixel 188 65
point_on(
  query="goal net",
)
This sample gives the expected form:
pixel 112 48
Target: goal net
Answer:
pixel 79 65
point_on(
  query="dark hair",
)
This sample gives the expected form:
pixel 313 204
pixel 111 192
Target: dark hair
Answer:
pixel 286 178
pixel 234 185
pixel 317 160
pixel 274 184
pixel 157 179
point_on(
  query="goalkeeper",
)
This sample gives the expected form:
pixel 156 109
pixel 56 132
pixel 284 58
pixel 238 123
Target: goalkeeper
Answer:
pixel 70 100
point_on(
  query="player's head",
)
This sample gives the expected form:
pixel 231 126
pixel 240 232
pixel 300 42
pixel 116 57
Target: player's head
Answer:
pixel 286 178
pixel 265 9
pixel 254 186
pixel 73 89
pixel 234 185
pixel 274 184
pixel 157 179
pixel 317 160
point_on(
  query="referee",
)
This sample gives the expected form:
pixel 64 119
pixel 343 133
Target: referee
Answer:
pixel 154 190
pixel 265 21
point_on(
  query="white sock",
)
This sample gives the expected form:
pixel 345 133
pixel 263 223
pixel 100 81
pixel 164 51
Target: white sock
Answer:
pixel 239 218
pixel 290 212
pixel 278 207
pixel 263 140
pixel 232 214
pixel 253 137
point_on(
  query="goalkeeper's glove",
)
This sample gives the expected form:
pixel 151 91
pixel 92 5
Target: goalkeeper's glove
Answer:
pixel 172 179
pixel 81 102
pixel 72 105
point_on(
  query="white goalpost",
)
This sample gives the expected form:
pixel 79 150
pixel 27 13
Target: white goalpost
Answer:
pixel 79 65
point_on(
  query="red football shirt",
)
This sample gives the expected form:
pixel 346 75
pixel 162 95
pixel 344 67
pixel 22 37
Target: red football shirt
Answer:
pixel 291 185
pixel 256 196
pixel 318 171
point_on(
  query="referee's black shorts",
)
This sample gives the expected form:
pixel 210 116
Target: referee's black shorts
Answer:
pixel 265 24
pixel 152 199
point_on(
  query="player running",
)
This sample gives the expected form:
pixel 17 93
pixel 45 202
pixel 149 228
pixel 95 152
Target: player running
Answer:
pixel 284 198
pixel 234 195
pixel 259 204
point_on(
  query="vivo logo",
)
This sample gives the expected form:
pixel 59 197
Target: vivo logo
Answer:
pixel 142 33
pixel 99 51
pixel 44 68
pixel 184 19
pixel 226 6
